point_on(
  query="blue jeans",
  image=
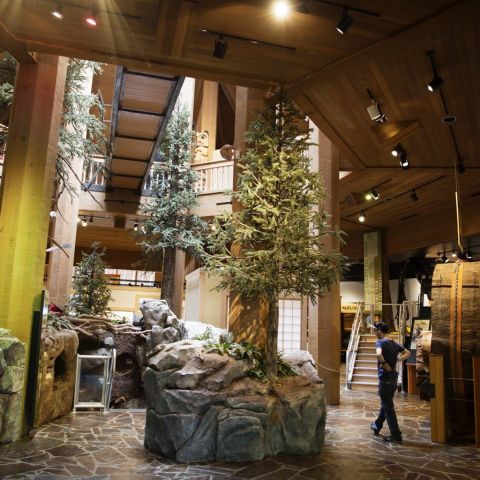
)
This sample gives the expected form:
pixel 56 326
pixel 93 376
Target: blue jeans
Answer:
pixel 386 391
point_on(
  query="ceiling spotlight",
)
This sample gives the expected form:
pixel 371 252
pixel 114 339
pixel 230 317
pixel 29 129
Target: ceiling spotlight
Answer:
pixel 91 219
pixel 404 161
pixel 375 195
pixel 91 20
pixel 220 48
pixel 413 196
pixel 435 83
pixel 468 255
pixel 454 254
pixel 281 9
pixel 397 150
pixel 444 257
pixel 345 22
pixel 84 222
pixel 135 227
pixel 57 12
pixel 362 217
pixel 374 110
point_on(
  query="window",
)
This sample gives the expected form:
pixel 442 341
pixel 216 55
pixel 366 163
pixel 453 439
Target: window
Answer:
pixel 289 325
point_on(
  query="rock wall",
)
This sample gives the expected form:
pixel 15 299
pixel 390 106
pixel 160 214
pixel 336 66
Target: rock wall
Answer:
pixel 203 406
pixel 57 375
pixel 12 372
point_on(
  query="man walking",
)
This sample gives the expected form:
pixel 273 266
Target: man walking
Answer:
pixel 388 353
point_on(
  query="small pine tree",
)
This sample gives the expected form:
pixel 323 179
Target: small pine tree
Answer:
pixel 275 243
pixel 169 223
pixel 90 285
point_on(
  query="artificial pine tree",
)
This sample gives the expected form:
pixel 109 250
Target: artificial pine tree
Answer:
pixel 276 243
pixel 169 223
pixel 91 292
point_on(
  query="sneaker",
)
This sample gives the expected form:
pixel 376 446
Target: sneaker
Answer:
pixel 375 429
pixel 392 439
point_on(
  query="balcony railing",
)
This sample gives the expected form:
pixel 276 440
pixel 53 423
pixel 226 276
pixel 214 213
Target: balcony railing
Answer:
pixel 213 177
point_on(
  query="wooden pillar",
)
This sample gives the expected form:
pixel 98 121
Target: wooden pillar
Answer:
pixel 27 190
pixel 207 120
pixel 476 397
pixel 324 317
pixel 438 417
pixel 247 318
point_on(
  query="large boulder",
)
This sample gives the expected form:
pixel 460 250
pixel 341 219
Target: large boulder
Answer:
pixel 203 407
pixel 12 372
pixel 57 375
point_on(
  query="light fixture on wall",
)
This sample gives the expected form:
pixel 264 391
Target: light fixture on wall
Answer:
pixel 374 109
pixel 345 22
pixel 220 47
pixel 58 12
pixel 91 19
pixel 362 217
pixel 437 80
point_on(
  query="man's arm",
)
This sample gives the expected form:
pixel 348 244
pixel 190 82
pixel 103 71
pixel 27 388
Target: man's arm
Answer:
pixel 404 355
pixel 380 358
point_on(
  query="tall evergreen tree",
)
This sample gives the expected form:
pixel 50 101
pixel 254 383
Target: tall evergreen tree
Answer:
pixel 276 243
pixel 169 223
pixel 91 292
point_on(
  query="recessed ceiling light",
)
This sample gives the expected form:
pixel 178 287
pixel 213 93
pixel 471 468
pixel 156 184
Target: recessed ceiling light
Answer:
pixel 281 9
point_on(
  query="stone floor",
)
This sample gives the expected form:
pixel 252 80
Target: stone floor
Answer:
pixel 98 446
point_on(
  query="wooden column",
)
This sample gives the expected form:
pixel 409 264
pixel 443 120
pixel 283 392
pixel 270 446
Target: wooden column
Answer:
pixel 27 190
pixel 207 120
pixel 324 335
pixel 438 417
pixel 247 318
pixel 476 397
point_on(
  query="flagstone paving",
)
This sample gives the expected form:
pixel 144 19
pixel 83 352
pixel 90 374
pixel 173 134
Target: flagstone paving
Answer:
pixel 110 447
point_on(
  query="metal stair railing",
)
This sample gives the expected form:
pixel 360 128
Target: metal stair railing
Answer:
pixel 353 344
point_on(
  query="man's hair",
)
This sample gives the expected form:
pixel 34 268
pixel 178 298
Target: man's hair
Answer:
pixel 383 327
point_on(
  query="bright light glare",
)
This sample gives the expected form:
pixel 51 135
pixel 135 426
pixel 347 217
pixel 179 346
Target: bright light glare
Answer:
pixel 57 13
pixel 91 20
pixel 281 9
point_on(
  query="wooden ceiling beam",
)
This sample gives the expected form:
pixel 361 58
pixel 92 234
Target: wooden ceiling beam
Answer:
pixel 433 23
pixel 15 47
pixel 389 134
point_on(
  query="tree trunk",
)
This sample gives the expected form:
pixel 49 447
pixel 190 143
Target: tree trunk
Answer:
pixel 168 276
pixel 272 332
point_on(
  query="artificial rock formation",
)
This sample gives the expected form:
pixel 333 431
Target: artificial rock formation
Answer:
pixel 203 406
pixel 12 372
pixel 57 375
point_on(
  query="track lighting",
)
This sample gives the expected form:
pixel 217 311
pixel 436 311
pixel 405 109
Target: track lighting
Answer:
pixel 84 222
pixel 437 80
pixel 444 257
pixel 372 194
pixel 91 219
pixel 397 150
pixel 91 20
pixel 413 196
pixel 281 9
pixel 345 22
pixel 454 254
pixel 362 217
pixel 220 48
pixel 468 255
pixel 57 12
pixel 404 161
pixel 135 227
pixel 374 110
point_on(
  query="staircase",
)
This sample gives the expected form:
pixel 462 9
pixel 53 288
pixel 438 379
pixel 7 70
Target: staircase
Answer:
pixel 365 373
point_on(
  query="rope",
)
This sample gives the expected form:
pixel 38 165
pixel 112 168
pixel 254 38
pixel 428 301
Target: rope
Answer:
pixel 329 369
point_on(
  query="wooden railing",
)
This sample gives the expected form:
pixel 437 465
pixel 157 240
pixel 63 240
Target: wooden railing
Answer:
pixel 93 173
pixel 214 177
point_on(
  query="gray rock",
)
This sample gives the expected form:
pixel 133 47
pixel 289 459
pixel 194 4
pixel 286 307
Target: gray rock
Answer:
pixel 155 312
pixel 309 371
pixel 13 351
pixel 298 358
pixel 168 433
pixel 3 363
pixel 171 335
pixel 186 401
pixel 203 444
pixel 233 370
pixel 240 438
pixel 11 415
pixel 175 355
pixel 197 368
pixel 12 380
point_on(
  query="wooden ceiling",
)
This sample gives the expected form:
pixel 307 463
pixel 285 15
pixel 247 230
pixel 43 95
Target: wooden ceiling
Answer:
pixel 328 74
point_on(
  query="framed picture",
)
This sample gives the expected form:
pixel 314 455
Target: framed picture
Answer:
pixel 419 325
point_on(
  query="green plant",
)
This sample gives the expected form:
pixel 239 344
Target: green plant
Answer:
pixel 206 335
pixel 5 332
pixel 250 352
pixel 169 223
pixel 277 242
pixel 58 322
pixel 91 292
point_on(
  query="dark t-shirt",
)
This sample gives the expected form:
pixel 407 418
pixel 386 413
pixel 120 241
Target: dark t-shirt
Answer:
pixel 390 351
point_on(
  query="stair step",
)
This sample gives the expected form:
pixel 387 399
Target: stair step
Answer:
pixel 364 377
pixel 371 370
pixel 366 356
pixel 369 386
pixel 362 349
